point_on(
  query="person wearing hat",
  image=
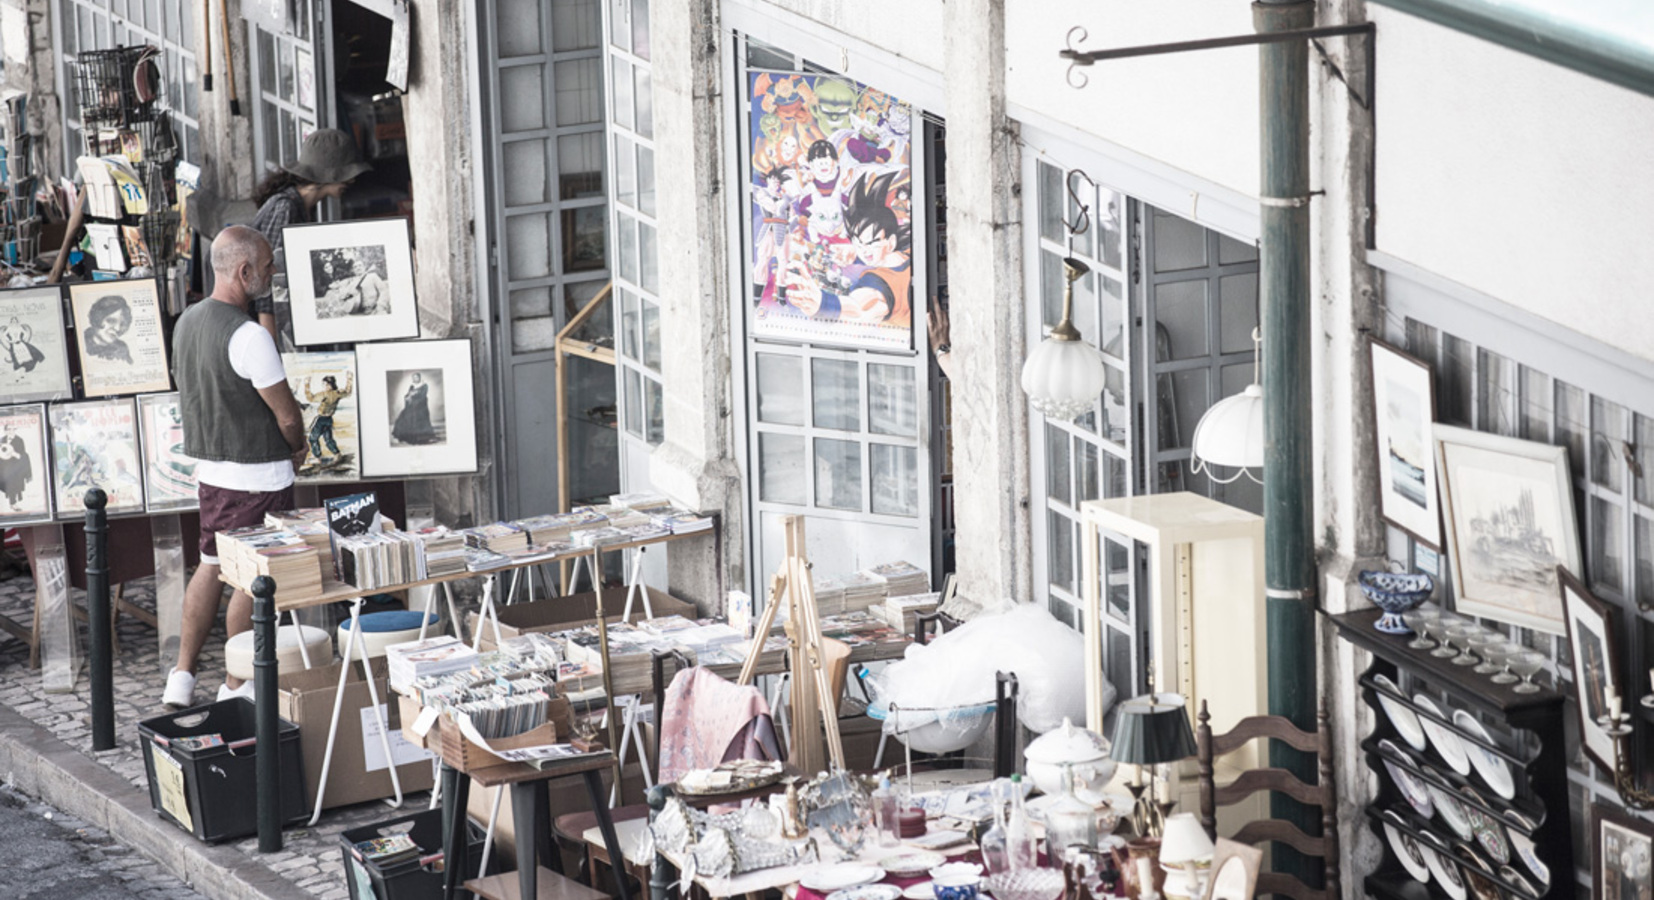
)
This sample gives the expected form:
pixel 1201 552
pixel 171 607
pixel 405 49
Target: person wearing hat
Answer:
pixel 328 162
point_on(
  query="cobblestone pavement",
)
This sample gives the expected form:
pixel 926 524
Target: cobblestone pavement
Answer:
pixel 51 854
pixel 310 857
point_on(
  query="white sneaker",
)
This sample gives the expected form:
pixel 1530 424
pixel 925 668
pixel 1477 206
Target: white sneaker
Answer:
pixel 225 692
pixel 180 690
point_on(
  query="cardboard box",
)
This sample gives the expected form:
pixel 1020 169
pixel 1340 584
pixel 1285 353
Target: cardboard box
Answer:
pixel 573 611
pixel 305 697
pixel 460 752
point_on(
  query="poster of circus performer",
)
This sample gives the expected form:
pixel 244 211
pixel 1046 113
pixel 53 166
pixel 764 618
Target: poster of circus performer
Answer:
pixel 95 444
pixel 325 385
pixel 169 475
pixel 24 475
pixel 831 194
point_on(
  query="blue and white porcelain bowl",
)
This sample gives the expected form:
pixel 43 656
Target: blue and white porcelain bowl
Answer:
pixel 1395 593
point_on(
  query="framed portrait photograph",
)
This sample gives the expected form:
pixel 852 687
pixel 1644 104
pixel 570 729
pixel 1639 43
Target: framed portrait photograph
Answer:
pixel 325 385
pixel 417 411
pixel 1623 853
pixel 350 281
pixel 169 475
pixel 34 357
pixel 25 467
pixel 118 335
pixel 95 444
pixel 1595 664
pixel 1509 509
pixel 1404 409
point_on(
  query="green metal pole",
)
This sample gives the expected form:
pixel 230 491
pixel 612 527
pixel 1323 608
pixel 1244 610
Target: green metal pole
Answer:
pixel 1284 291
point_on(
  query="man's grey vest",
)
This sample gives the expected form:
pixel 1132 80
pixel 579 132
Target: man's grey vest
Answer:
pixel 225 419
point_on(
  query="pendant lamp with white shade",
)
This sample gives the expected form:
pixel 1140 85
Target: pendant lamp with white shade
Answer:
pixel 1064 375
pixel 1231 431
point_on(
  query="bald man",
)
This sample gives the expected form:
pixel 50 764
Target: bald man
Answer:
pixel 243 428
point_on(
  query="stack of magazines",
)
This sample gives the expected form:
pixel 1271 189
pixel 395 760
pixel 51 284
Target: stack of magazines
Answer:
pixel 389 851
pixel 406 663
pixel 370 561
pixel 505 707
pixel 443 551
pixel 500 537
pixel 532 655
pixel 246 553
pixel 900 612
pixel 545 529
pixel 682 521
pixel 901 578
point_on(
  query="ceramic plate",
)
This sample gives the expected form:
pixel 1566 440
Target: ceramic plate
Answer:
pixel 1446 872
pixel 1405 720
pixel 828 879
pixel 1452 812
pixel 1405 848
pixel 1409 784
pixel 1494 771
pixel 907 865
pixel 921 891
pixel 1489 833
pixel 867 892
pixel 1523 845
pixel 1447 743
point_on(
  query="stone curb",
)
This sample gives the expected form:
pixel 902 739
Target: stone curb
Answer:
pixel 34 761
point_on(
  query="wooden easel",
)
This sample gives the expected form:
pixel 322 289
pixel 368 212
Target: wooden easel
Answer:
pixel 811 692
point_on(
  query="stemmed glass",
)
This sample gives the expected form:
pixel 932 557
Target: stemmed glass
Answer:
pixel 1482 645
pixel 1527 664
pixel 1503 653
pixel 1460 635
pixel 1437 629
pixel 1418 620
pixel 1496 652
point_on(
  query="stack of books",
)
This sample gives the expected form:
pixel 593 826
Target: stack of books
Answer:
pixel 900 578
pixel 829 596
pixel 389 851
pixel 862 591
pixel 682 521
pixel 443 655
pixel 639 499
pixel 500 537
pixel 442 551
pixel 246 553
pixel 622 516
pixel 583 517
pixel 900 612
pixel 370 561
pixel 545 529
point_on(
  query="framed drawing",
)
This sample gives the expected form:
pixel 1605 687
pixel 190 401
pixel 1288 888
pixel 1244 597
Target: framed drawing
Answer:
pixel 1404 408
pixel 169 475
pixel 24 470
pixel 1622 855
pixel 123 349
pixel 1595 664
pixel 417 411
pixel 325 385
pixel 1234 872
pixel 95 444
pixel 1509 508
pixel 34 358
pixel 350 281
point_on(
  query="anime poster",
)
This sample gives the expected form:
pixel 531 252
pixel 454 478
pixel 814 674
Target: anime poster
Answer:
pixel 832 212
pixel 95 444
pixel 169 475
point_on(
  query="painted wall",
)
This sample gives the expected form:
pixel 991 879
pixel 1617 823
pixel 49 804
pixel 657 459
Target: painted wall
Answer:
pixel 915 33
pixel 1526 181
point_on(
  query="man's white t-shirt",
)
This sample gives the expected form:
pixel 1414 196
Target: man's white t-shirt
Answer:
pixel 253 356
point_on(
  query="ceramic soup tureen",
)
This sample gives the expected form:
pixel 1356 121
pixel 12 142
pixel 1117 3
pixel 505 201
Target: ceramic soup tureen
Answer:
pixel 1085 751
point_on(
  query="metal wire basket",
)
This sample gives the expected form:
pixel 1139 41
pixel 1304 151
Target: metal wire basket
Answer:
pixel 111 88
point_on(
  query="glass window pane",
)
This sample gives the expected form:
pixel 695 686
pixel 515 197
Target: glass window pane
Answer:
pixel 835 389
pixel 781 468
pixel 1050 203
pixel 579 91
pixel 1058 477
pixel 1455 382
pixel 527 247
pixel 1645 564
pixel 780 389
pixel 1536 405
pixel 644 96
pixel 634 401
pixel 1180 313
pixel 524 172
pixel 1051 284
pixel 574 24
pixel 1109 219
pixel 625 172
pixel 1237 312
pixel 1116 559
pixel 628 324
pixel 1233 251
pixel 1607 442
pixel 522 98
pixel 651 335
pixel 266 60
pixel 1178 243
pixel 655 408
pixel 640 28
pixel 620 23
pixel 285 78
pixel 289 136
pixel 1496 400
pixel 1645 460
pixel 1189 399
pixel 1112 340
pixel 838 474
pixel 1119 665
pixel 1085 242
pixel 1571 424
pixel 645 180
pixel 763 56
pixel 1115 413
pixel 626 250
pixel 1059 558
pixel 518 27
pixel 648 272
pixel 1607 539
pixel 621 80
pixel 580 165
pixel 1085 309
pixel 1086 484
pixel 530 302
pixel 891 407
pixel 532 334
pixel 583 232
pixel 895 474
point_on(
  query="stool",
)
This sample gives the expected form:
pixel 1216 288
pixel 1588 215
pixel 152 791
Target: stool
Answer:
pixel 238 650
pixel 381 629
pixel 579 831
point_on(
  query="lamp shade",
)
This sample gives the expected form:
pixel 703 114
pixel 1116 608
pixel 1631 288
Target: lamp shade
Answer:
pixel 1152 729
pixel 1231 432
pixel 1063 378
pixel 1184 840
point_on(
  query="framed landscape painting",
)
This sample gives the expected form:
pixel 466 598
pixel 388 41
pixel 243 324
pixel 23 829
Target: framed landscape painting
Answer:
pixel 325 385
pixel 350 281
pixel 95 444
pixel 34 357
pixel 1509 508
pixel 25 468
pixel 417 410
pixel 169 475
pixel 122 346
pixel 1404 408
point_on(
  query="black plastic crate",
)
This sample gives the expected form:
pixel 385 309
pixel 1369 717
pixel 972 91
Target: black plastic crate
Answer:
pixel 408 880
pixel 211 792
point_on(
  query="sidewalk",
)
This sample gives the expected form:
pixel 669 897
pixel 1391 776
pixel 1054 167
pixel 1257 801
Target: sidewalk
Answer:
pixel 45 751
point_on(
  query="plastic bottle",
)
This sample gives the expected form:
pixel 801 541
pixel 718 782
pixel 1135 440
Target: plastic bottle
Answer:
pixel 1020 848
pixel 885 806
pixel 995 851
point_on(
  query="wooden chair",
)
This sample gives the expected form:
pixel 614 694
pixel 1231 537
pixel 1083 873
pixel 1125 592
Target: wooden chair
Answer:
pixel 1249 782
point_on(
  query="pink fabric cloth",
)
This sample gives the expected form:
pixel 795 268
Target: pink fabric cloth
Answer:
pixel 704 716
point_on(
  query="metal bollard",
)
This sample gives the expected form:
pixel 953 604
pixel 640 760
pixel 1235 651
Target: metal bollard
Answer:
pixel 264 698
pixel 97 610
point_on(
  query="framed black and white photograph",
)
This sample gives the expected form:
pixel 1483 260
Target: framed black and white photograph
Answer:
pixel 95 444
pixel 25 470
pixel 169 475
pixel 1623 850
pixel 1509 509
pixel 416 411
pixel 1404 408
pixel 118 334
pixel 34 357
pixel 350 281
pixel 1595 666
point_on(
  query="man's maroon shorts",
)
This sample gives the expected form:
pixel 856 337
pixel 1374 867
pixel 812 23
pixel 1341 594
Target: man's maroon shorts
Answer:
pixel 223 509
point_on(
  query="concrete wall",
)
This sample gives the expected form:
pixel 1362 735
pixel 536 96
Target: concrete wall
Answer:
pixel 917 33
pixel 26 40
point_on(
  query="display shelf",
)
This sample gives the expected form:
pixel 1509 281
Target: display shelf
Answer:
pixel 1448 780
pixel 1402 884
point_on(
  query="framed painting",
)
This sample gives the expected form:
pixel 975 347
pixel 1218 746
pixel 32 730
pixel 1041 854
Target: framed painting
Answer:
pixel 95 444
pixel 169 475
pixel 1404 409
pixel 1509 509
pixel 325 385
pixel 25 471
pixel 122 346
pixel 1622 855
pixel 417 411
pixel 34 357
pixel 1595 662
pixel 350 281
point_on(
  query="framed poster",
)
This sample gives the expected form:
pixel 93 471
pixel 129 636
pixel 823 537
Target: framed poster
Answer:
pixel 1404 408
pixel 325 385
pixel 169 475
pixel 417 411
pixel 1509 507
pixel 350 281
pixel 1622 864
pixel 830 196
pixel 34 357
pixel 122 346
pixel 24 468
pixel 95 444
pixel 1595 665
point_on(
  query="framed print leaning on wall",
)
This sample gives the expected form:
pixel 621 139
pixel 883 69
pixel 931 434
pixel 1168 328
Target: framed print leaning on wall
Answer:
pixel 1595 664
pixel 1509 508
pixel 34 358
pixel 122 346
pixel 25 469
pixel 417 413
pixel 325 385
pixel 350 281
pixel 1622 864
pixel 95 444
pixel 169 475
pixel 1404 408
